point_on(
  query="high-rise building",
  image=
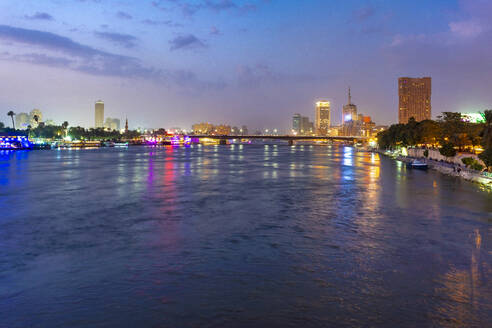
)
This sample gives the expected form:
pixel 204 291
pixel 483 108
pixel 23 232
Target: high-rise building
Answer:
pixel 322 121
pixel 301 125
pixel 296 123
pixel 34 115
pixel 126 125
pixel 99 114
pixel 112 123
pixel 414 99
pixel 21 120
pixel 349 111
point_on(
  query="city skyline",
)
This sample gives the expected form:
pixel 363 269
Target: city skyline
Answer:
pixel 166 63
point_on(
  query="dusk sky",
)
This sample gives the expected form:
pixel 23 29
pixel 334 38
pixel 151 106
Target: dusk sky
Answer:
pixel 168 63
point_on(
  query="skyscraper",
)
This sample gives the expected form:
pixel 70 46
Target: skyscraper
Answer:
pixel 322 120
pixel 301 125
pixel 99 114
pixel 296 123
pixel 414 99
pixel 349 111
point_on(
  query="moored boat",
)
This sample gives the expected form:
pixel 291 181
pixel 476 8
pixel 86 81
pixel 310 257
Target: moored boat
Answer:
pixel 416 164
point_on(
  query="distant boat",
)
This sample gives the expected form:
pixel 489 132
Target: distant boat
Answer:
pixel 416 164
pixel 121 144
pixel 108 144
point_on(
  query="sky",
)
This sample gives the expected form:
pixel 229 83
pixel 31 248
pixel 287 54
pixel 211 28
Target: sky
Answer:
pixel 172 63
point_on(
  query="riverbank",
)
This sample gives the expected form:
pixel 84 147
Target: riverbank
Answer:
pixel 447 168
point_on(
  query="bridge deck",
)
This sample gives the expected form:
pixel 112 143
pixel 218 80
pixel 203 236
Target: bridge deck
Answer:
pixel 283 137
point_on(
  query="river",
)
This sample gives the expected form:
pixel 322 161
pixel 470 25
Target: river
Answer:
pixel 239 236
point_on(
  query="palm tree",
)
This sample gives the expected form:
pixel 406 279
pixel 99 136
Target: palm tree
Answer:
pixel 11 114
pixel 64 127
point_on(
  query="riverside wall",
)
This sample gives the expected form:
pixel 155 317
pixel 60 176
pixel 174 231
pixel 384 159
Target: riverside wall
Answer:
pixel 450 166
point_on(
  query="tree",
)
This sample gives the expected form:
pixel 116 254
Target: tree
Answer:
pixel 11 114
pixel 64 127
pixel 452 129
pixel 2 125
pixel 447 150
pixel 426 153
pixel 468 161
pixel 486 157
pixel 487 130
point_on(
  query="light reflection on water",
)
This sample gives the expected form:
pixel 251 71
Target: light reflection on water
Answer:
pixel 254 235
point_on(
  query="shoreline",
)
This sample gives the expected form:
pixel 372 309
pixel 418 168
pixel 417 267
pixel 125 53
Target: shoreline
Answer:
pixel 448 169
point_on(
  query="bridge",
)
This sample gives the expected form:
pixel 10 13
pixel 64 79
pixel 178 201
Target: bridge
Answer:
pixel 290 138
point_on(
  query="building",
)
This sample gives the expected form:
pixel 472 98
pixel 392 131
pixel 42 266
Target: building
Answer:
pixel 244 130
pixel 301 125
pixel 22 120
pixel 349 111
pixel 126 125
pixel 322 121
pixel 35 117
pixel 202 128
pixel 112 123
pixel 414 99
pixel 296 123
pixel 222 130
pixel 99 114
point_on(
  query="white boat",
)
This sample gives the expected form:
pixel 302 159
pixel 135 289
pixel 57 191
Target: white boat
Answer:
pixel 416 164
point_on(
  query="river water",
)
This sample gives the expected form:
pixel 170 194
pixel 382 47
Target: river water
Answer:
pixel 239 236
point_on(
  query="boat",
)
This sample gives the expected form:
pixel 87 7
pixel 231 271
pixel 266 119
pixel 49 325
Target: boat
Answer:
pixel 108 144
pixel 121 144
pixel 416 164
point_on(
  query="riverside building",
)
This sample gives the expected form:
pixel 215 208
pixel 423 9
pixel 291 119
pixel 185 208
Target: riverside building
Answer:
pixel 99 114
pixel 414 96
pixel 322 120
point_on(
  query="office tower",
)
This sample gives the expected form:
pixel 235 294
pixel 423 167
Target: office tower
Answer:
pixel 306 127
pixel 35 113
pixel 322 120
pixel 21 120
pixel 99 114
pixel 126 125
pixel 414 99
pixel 296 123
pixel 112 123
pixel 349 111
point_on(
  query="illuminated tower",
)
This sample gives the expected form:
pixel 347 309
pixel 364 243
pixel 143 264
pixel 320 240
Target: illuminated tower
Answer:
pixel 349 111
pixel 322 120
pixel 414 96
pixel 99 114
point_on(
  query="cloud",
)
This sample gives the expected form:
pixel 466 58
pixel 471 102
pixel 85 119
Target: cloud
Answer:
pixel 157 23
pixel 466 29
pixel 219 5
pixel 54 50
pixel 123 15
pixel 363 13
pixel 40 16
pixel 72 55
pixel 214 31
pixel 124 40
pixel 188 41
pixel 250 76
pixel 189 8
